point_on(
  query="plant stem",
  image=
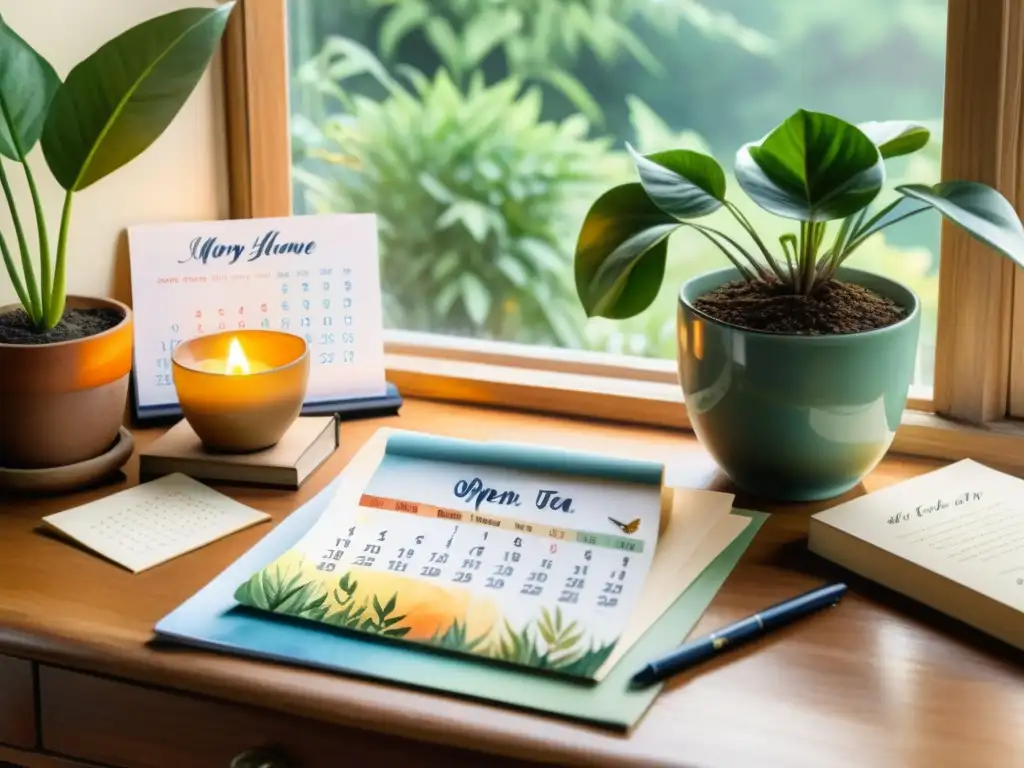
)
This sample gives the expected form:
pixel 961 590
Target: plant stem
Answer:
pixel 788 241
pixel 745 223
pixel 58 297
pixel 746 273
pixel 34 307
pixel 856 242
pixel 45 268
pixel 758 269
pixel 811 238
pixel 12 271
pixel 801 252
pixel 863 227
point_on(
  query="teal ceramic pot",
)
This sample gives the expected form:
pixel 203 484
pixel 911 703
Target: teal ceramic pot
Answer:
pixel 795 418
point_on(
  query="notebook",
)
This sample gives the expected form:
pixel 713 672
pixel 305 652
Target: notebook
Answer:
pixel 154 522
pixel 304 447
pixel 952 539
pixel 213 619
pixel 515 554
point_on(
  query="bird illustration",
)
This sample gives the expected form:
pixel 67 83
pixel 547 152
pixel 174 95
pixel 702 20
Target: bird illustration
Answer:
pixel 630 527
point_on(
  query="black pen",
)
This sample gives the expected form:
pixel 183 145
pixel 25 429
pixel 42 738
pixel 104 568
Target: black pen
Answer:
pixel 728 637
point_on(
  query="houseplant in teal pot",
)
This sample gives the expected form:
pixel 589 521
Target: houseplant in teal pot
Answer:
pixel 65 360
pixel 794 366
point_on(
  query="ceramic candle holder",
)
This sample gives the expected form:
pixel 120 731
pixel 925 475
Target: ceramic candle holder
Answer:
pixel 241 390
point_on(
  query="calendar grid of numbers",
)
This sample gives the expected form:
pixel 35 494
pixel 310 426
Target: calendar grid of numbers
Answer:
pixel 313 276
pixel 519 565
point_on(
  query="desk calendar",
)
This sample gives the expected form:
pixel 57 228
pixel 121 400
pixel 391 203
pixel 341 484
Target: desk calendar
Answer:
pixel 314 276
pixel 519 555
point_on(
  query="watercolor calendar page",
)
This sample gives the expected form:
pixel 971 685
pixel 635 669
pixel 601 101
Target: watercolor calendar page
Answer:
pixel 527 556
pixel 313 276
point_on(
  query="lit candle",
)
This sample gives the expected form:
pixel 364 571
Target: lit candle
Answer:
pixel 240 390
pixel 237 362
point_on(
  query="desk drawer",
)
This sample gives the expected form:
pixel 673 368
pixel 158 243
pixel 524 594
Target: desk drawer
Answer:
pixel 17 703
pixel 117 723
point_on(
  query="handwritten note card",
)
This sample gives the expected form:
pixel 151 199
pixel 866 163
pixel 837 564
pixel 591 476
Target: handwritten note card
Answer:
pixel 154 522
pixel 515 563
pixel 964 522
pixel 313 276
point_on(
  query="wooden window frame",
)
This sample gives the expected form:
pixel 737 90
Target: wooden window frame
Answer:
pixel 979 373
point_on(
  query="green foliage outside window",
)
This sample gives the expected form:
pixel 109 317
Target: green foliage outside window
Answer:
pixel 480 130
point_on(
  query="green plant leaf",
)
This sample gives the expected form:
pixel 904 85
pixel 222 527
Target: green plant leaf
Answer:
pixel 118 101
pixel 896 137
pixel 977 208
pixel 488 30
pixel 812 167
pixel 400 21
pixel 475 297
pixel 620 253
pixel 398 632
pixel 683 183
pixel 27 85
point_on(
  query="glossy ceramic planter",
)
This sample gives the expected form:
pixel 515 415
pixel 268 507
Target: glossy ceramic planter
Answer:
pixel 795 418
pixel 63 403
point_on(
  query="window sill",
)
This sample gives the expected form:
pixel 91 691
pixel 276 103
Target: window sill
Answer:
pixel 649 399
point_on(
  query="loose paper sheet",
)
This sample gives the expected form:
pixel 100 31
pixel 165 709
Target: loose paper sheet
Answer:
pixel 964 522
pixel 154 522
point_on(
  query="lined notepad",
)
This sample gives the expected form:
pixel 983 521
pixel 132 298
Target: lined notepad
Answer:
pixel 154 522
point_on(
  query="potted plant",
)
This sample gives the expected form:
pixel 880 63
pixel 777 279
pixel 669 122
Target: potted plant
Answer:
pixel 65 360
pixel 795 368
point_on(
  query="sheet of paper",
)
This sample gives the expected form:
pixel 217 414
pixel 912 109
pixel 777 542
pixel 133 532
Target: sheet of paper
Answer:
pixel 312 276
pixel 154 522
pixel 964 522
pixel 522 566
pixel 682 556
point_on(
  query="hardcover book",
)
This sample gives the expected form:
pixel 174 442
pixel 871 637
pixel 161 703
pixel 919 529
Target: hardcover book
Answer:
pixel 305 446
pixel 952 539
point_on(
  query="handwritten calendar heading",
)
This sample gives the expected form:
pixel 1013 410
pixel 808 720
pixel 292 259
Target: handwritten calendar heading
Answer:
pixel 205 248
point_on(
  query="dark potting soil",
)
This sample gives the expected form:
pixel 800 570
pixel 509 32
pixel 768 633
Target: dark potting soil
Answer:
pixel 16 328
pixel 835 307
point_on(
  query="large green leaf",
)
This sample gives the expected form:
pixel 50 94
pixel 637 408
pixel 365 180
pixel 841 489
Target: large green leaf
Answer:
pixel 683 183
pixel 27 84
pixel 620 254
pixel 118 101
pixel 979 209
pixel 896 137
pixel 813 167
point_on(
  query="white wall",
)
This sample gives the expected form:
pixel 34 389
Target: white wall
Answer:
pixel 181 177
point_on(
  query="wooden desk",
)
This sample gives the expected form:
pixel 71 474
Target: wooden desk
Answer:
pixel 877 682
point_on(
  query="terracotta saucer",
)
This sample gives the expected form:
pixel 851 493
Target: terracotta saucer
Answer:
pixel 72 476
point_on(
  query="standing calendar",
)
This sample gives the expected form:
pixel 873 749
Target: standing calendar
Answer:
pixel 313 276
pixel 511 553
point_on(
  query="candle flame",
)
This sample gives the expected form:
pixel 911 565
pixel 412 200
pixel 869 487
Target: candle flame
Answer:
pixel 237 361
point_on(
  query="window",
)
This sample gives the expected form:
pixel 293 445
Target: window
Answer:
pixel 480 131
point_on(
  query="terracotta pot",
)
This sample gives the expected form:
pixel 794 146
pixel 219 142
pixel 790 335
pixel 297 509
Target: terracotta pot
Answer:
pixel 63 403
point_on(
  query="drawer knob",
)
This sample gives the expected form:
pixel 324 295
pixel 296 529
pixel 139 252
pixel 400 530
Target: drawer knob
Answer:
pixel 259 758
